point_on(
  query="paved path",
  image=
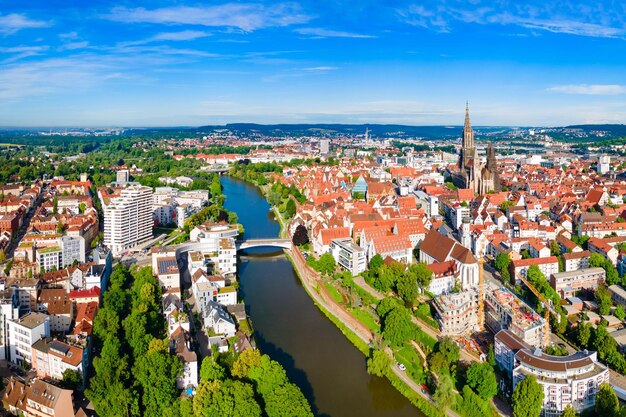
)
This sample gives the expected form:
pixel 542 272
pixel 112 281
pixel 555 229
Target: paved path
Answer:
pixel 360 281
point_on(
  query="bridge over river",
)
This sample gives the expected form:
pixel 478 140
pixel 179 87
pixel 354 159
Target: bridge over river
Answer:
pixel 240 245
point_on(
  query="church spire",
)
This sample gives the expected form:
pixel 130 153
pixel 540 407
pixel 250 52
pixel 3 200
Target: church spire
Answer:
pixel 468 133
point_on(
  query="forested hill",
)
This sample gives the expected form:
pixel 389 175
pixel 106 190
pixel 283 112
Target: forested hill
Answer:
pixel 376 130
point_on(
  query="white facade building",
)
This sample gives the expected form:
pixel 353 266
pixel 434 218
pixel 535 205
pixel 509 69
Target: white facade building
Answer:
pixel 23 333
pixel 128 219
pixel 348 255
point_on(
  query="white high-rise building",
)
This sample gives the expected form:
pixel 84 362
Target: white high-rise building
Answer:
pixel 324 146
pixel 128 219
pixel 604 164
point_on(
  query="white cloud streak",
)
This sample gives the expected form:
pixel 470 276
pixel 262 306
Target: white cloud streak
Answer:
pixel 247 17
pixel 329 33
pixel 588 21
pixel 14 22
pixel 589 89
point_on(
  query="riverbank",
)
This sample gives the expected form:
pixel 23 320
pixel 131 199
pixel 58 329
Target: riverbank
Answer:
pixel 358 334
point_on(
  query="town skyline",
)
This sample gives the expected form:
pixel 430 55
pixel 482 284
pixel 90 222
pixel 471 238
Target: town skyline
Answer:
pixel 181 64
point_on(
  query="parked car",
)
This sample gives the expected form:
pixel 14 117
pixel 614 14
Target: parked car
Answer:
pixel 401 366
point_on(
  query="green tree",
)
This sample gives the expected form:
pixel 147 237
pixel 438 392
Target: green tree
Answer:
pixel 211 370
pixel 407 288
pixel 378 363
pixel 55 205
pixel 156 371
pixel 527 398
pixel 287 401
pixel 491 357
pixel 603 298
pixel 326 264
pixel 555 249
pixel 619 312
pixel 376 262
pixel 583 334
pixel 482 379
pixel 421 274
pixel 569 412
pixel 502 261
pixel 230 398
pixel 290 208
pixel 247 359
pixel 385 306
pixel 607 403
pixel 444 395
pixel 449 349
pixel 397 326
pixel 71 379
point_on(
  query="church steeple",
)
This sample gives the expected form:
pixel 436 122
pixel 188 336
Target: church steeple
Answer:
pixel 468 132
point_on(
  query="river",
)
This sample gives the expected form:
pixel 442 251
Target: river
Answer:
pixel 289 327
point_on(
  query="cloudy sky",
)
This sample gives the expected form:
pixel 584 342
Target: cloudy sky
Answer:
pixel 537 62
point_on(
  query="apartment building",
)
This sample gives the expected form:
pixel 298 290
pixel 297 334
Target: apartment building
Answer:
pixel 38 399
pixel 23 333
pixel 52 357
pixel 547 266
pixel 348 255
pixel 566 380
pixel 504 310
pixel 567 283
pixel 128 219
pixel 576 260
pixel 457 313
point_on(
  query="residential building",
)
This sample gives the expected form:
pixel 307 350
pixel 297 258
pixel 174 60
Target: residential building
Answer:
pixel 618 295
pixel 52 357
pixel 180 345
pixel 571 380
pixel 457 313
pixel 547 266
pixel 227 257
pixel 504 310
pixel 9 310
pixel 49 259
pixel 602 247
pixel 576 260
pixel 38 399
pixel 348 255
pixel 23 333
pixel 569 282
pixel 128 219
pixel 168 273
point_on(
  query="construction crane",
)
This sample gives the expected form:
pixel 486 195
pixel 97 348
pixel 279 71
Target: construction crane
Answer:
pixel 547 306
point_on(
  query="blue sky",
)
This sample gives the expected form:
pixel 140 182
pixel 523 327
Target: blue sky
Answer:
pixel 99 63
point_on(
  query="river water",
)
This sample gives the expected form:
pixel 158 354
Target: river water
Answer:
pixel 289 327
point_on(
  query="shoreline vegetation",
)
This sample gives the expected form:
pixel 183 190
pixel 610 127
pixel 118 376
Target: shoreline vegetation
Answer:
pixel 429 409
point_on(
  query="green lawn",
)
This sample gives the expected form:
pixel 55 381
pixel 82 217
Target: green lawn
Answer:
pixel 410 358
pixel 427 318
pixel 334 293
pixel 366 318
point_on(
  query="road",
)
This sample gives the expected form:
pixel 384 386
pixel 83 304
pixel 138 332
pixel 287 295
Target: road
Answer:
pixel 22 230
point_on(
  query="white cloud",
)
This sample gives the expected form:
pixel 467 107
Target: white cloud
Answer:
pixel 247 17
pixel 329 33
pixel 74 45
pixel 589 89
pixel 21 52
pixel 589 21
pixel 185 35
pixel 14 22
pixel 321 68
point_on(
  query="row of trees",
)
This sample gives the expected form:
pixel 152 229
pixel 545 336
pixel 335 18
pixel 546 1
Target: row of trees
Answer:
pixel 405 281
pixel 134 373
pixel 253 385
